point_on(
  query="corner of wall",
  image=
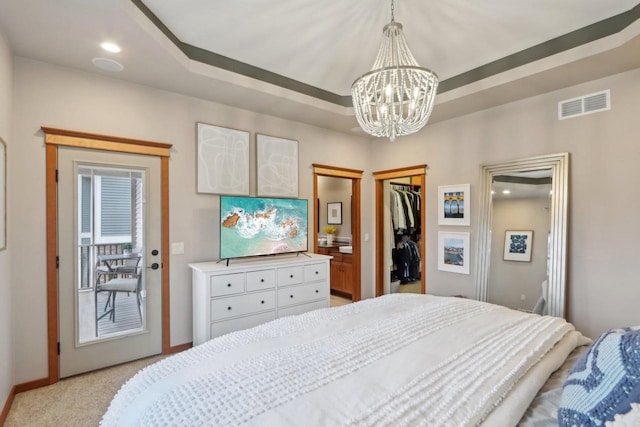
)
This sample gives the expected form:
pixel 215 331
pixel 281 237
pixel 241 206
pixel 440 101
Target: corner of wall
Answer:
pixel 6 119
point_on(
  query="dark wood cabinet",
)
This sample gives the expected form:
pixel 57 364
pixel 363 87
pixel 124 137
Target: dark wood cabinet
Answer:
pixel 341 270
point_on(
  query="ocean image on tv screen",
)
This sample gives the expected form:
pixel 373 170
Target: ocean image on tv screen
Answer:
pixel 252 226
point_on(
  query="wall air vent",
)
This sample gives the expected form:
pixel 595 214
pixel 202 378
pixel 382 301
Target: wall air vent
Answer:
pixel 588 104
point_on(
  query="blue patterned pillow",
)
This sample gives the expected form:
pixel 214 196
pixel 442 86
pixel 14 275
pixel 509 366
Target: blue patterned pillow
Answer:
pixel 604 381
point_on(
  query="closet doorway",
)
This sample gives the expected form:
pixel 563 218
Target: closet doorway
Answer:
pixel 346 252
pixel 404 180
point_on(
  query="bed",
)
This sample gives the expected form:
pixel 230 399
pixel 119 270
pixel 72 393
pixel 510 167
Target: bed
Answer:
pixel 401 359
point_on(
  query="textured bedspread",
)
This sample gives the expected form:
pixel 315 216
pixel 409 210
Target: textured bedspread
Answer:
pixel 395 360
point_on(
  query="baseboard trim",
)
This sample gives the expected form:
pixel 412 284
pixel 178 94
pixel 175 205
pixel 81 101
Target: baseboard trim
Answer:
pixel 7 405
pixel 19 388
pixel 180 347
pixel 31 385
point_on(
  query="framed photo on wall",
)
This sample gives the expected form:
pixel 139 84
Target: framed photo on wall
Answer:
pixel 454 203
pixel 223 160
pixel 453 252
pixel 518 245
pixel 277 164
pixel 334 213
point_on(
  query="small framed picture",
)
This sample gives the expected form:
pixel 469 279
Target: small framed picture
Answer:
pixel 334 213
pixel 453 252
pixel 517 245
pixel 454 203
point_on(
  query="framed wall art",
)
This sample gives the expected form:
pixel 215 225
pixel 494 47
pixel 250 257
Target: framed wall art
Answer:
pixel 453 252
pixel 223 160
pixel 277 163
pixel 517 245
pixel 334 213
pixel 454 203
pixel 3 195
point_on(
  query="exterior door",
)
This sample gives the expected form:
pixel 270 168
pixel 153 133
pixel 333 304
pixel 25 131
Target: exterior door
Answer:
pixel 109 283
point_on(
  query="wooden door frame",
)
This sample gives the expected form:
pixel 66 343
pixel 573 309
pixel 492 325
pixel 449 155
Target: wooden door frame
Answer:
pixel 418 173
pixel 54 138
pixel 356 224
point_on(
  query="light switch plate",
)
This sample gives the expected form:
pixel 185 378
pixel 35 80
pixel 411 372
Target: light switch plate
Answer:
pixel 177 248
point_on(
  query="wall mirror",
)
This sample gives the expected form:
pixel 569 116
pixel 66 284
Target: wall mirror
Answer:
pixel 523 235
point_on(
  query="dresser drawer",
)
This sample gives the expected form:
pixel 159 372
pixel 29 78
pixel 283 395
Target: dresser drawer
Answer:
pixel 224 308
pixel 303 293
pixel 259 280
pixel 289 276
pixel 226 326
pixel 315 272
pixel 227 284
pixel 302 308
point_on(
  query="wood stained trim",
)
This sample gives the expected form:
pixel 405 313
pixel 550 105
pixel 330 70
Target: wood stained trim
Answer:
pixel 166 306
pixel 96 141
pixel 7 405
pixel 336 171
pixel 181 347
pixel 55 137
pixel 356 218
pixel 52 255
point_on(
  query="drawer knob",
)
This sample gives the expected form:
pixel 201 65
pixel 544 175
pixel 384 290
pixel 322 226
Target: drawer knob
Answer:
pixel 261 280
pixel 291 276
pixel 317 272
pixel 229 308
pixel 290 296
pixel 228 285
pixel 317 291
pixel 262 302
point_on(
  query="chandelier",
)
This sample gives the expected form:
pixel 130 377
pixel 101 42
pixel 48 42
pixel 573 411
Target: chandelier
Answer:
pixel 396 97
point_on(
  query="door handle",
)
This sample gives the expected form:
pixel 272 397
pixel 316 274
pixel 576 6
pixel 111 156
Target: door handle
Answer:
pixel 154 266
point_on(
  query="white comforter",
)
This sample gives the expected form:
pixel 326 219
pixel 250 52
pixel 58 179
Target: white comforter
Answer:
pixel 395 360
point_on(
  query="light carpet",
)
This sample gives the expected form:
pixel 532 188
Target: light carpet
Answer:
pixel 76 401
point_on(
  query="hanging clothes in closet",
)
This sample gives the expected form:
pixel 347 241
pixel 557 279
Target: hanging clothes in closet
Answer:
pixel 405 202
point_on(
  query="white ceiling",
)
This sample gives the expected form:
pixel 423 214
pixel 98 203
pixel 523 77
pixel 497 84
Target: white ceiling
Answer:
pixel 319 48
pixel 523 185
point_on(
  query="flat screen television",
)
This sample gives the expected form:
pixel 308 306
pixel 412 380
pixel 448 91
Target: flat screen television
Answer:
pixel 253 226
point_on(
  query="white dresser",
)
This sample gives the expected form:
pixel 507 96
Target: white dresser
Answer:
pixel 249 292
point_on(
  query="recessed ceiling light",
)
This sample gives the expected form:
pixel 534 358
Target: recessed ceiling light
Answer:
pixel 107 64
pixel 110 47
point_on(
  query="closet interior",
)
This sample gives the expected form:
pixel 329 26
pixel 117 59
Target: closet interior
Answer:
pixel 405 234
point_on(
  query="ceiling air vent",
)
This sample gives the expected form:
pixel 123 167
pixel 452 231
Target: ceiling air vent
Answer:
pixel 587 104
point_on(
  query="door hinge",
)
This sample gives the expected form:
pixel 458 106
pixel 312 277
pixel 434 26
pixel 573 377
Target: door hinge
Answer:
pixel 56 175
pixel 57 262
pixel 58 348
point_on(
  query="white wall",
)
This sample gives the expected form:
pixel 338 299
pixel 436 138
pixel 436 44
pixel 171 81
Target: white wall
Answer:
pixel 603 258
pixel 6 77
pixel 46 95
